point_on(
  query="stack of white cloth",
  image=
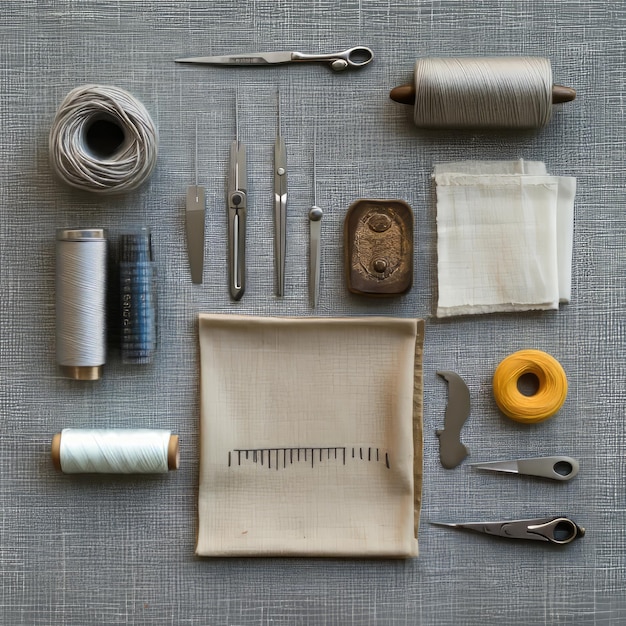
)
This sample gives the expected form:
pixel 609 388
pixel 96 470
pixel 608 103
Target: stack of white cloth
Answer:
pixel 504 237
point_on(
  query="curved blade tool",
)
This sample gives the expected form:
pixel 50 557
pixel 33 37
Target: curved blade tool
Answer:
pixel 451 450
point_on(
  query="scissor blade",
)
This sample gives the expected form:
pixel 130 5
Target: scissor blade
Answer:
pixel 280 212
pixel 511 530
pixel 195 211
pixel 254 58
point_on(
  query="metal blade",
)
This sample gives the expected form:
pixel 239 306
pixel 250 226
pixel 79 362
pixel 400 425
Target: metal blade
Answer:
pixel 555 467
pixel 194 214
pixel 255 58
pixel 510 467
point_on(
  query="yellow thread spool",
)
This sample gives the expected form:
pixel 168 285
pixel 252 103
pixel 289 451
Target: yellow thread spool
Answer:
pixel 549 397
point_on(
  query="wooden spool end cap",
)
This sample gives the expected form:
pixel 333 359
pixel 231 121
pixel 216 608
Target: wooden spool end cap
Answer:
pixel 405 94
pixel 173 453
pixel 55 451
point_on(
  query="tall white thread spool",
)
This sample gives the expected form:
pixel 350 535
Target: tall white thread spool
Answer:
pixel 115 451
pixel 81 256
pixel 482 92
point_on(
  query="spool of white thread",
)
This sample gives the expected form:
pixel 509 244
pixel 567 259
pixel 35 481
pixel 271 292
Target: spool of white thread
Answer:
pixel 489 92
pixel 81 302
pixel 115 451
pixel 103 140
pixel 482 92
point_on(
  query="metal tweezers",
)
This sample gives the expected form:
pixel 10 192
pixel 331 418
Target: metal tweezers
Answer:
pixel 280 208
pixel 237 209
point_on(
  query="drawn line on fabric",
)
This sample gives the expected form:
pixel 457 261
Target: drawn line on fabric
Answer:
pixel 281 458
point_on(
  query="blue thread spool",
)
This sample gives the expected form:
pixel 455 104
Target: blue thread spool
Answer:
pixel 138 298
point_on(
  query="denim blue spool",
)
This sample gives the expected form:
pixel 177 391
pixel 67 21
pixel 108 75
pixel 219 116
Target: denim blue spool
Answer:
pixel 137 297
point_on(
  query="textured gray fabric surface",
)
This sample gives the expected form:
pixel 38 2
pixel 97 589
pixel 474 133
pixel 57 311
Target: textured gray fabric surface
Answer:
pixel 84 550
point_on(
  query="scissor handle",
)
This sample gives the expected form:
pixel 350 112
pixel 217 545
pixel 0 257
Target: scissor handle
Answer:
pixel 358 56
pixel 560 530
pixel 353 57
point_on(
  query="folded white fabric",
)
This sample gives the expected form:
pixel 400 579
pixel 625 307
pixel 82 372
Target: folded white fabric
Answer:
pixel 310 436
pixel 504 237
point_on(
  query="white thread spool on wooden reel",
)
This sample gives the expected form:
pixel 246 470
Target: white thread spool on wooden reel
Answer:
pixel 482 92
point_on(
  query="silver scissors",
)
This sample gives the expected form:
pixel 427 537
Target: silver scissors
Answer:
pixel 558 530
pixel 554 467
pixel 280 207
pixel 237 209
pixel 352 58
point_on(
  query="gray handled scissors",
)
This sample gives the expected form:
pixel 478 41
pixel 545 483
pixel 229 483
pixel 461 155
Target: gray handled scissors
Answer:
pixel 352 58
pixel 558 530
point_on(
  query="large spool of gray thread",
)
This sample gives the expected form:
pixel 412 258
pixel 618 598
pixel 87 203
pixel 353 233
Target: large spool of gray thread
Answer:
pixel 482 92
pixel 81 256
pixel 103 140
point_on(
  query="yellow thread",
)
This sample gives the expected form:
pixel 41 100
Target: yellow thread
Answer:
pixel 550 395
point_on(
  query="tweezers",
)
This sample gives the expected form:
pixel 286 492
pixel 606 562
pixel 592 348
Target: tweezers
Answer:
pixel 237 209
pixel 280 208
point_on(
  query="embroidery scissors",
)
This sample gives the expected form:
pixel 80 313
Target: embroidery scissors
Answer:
pixel 554 467
pixel 237 209
pixel 280 207
pixel 557 530
pixel 352 58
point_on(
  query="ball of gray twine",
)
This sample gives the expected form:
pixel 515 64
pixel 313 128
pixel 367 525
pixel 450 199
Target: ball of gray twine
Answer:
pixel 103 140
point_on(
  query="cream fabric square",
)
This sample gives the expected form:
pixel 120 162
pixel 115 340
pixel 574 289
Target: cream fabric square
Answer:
pixel 504 237
pixel 310 436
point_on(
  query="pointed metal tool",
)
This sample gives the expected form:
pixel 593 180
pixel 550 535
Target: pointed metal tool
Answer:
pixel 315 240
pixel 194 224
pixel 237 210
pixel 554 467
pixel 558 530
pixel 280 206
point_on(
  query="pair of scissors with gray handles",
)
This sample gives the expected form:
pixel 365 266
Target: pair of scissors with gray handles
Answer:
pixel 353 58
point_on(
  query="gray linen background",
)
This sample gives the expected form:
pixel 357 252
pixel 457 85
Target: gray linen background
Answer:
pixel 84 550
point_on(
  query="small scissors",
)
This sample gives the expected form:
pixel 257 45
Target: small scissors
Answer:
pixel 559 530
pixel 352 58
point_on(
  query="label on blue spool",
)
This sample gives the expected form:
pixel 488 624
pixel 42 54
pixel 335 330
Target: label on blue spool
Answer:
pixel 137 298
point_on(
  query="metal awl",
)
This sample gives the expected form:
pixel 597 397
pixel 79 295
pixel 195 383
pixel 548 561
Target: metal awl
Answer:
pixel 237 209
